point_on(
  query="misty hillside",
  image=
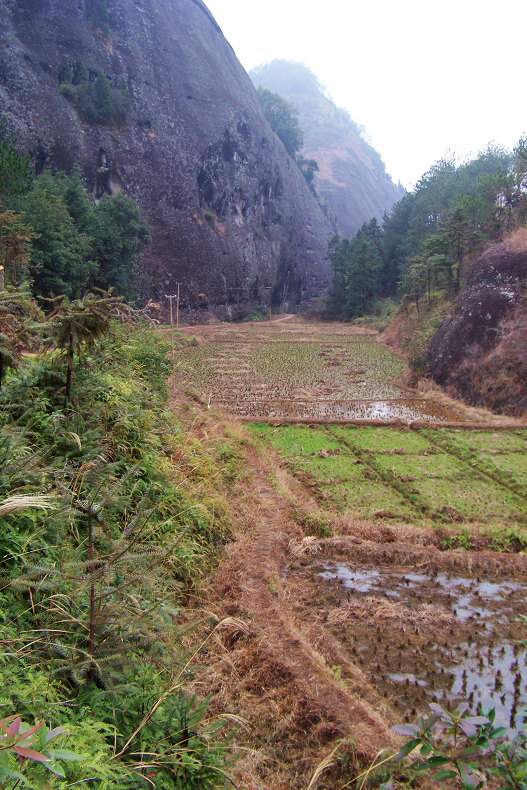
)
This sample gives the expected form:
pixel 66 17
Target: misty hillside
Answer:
pixel 352 180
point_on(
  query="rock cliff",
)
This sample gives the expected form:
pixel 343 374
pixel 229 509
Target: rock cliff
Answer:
pixel 232 218
pixel 352 180
pixel 480 350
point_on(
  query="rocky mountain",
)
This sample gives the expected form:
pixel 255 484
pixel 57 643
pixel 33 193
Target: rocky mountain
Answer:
pixel 480 350
pixel 149 98
pixel 352 180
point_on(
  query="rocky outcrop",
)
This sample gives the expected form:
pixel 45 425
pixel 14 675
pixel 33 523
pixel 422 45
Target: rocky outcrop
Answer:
pixel 480 350
pixel 352 182
pixel 232 218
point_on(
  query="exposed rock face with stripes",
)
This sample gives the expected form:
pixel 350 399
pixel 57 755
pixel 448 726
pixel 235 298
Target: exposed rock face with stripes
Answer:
pixel 232 218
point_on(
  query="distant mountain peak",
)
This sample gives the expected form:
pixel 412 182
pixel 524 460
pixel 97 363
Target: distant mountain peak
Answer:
pixel 352 181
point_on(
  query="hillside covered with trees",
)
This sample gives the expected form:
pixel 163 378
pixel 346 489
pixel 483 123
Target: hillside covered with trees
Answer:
pixel 424 251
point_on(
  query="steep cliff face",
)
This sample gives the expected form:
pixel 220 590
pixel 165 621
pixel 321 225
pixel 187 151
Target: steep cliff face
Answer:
pixel 232 218
pixel 480 350
pixel 352 180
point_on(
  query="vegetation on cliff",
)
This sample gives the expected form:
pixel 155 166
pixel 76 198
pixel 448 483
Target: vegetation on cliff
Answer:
pixel 95 99
pixel 283 119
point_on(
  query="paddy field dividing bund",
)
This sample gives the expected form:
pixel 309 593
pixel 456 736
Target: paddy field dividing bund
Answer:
pixel 380 556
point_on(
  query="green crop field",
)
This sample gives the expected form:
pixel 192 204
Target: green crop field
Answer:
pixel 439 476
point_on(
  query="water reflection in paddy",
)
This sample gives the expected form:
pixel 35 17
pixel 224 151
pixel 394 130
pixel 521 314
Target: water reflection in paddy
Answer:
pixel 470 651
pixel 397 410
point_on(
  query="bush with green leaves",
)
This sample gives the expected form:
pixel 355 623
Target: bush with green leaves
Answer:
pixel 464 748
pixel 24 749
pixel 101 537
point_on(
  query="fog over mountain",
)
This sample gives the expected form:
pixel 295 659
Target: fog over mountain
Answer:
pixel 352 180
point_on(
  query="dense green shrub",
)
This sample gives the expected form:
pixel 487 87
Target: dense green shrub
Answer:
pixel 96 100
pixel 94 571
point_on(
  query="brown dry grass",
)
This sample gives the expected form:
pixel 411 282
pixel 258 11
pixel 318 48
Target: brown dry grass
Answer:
pixel 500 375
pixel 477 415
pixel 517 240
pixel 276 673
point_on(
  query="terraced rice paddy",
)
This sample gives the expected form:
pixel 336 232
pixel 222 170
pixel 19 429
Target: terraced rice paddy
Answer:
pixel 425 476
pixel 295 371
pixel 326 373
pixel 430 618
pixel 419 629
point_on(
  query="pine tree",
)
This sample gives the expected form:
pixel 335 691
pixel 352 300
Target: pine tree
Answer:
pixel 100 16
pixel 80 73
pixel 362 273
pixel 103 99
pixel 79 324
pixel 61 258
pixel 66 75
pixel 119 234
pixel 77 200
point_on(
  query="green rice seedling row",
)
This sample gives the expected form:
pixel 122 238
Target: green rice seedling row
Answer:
pixel 416 475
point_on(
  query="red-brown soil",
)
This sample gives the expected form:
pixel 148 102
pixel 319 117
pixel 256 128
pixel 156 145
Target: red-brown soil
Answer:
pixel 479 352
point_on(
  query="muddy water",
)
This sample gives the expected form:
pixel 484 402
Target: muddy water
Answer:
pixel 424 637
pixel 403 410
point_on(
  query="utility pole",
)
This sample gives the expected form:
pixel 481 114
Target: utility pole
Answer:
pixel 170 297
pixel 268 288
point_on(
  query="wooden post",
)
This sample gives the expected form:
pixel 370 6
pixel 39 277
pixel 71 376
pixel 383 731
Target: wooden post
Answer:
pixel 268 288
pixel 177 307
pixel 170 297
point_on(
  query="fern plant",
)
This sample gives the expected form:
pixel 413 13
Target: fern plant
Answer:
pixel 79 324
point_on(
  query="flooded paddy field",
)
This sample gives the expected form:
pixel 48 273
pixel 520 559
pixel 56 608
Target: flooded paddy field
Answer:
pixel 460 639
pixel 302 371
pixel 435 633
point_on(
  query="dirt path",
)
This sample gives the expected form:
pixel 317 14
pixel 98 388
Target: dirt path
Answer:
pixel 271 667
pixel 287 670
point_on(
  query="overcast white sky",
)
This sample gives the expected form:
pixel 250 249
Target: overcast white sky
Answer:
pixel 422 77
